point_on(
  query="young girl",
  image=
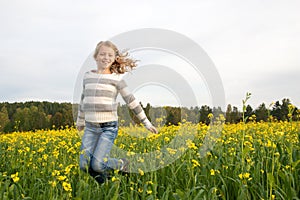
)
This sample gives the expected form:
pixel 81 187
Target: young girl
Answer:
pixel 97 111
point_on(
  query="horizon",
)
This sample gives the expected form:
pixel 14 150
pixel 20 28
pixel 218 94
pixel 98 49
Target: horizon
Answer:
pixel 155 106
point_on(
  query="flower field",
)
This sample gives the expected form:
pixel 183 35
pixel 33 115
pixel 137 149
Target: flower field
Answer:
pixel 240 161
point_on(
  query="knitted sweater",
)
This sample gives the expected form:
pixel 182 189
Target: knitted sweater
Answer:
pixel 98 99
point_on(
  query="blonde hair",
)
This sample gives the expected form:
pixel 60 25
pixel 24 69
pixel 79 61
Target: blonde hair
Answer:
pixel 122 62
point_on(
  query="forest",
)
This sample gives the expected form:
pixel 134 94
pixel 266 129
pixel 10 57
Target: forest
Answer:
pixel 35 115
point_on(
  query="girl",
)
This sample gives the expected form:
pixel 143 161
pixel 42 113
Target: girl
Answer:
pixel 97 111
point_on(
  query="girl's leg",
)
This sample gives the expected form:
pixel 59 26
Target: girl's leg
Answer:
pixel 88 144
pixel 101 160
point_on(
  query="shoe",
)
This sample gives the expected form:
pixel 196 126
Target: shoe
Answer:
pixel 125 165
pixel 100 177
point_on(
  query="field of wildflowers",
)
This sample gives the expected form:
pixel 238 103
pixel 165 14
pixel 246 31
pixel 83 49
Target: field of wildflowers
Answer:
pixel 246 161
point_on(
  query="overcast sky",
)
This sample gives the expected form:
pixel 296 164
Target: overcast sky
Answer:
pixel 254 44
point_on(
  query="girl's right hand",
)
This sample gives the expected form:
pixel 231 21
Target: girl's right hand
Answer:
pixel 80 128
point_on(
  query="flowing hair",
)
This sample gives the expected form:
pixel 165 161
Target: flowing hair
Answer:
pixel 122 62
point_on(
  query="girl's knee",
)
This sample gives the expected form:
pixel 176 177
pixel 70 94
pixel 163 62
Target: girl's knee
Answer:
pixel 97 165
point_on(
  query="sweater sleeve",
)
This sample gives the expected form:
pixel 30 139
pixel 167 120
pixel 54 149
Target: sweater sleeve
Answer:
pixel 133 104
pixel 81 116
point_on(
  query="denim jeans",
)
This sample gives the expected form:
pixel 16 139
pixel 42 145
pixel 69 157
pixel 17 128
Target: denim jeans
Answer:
pixel 96 145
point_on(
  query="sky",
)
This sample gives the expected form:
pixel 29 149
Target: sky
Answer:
pixel 254 45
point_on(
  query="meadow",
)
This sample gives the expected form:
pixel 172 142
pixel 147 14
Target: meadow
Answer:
pixel 254 160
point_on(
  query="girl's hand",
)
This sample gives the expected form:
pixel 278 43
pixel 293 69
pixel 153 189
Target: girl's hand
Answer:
pixel 80 128
pixel 152 129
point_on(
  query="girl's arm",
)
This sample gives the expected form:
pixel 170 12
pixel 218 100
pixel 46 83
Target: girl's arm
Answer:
pixel 80 123
pixel 134 105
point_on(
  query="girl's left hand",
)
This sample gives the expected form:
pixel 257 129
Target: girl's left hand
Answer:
pixel 152 129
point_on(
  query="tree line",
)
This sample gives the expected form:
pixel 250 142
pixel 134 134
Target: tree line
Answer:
pixel 34 115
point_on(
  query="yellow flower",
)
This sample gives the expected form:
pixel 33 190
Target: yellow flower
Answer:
pixel 15 177
pixel 280 133
pixel 212 172
pixel 45 156
pixel 149 191
pixel 113 179
pixel 171 151
pixel 140 190
pixel 141 172
pixel 55 173
pixel 270 144
pixel 225 166
pixel 245 176
pixel 55 153
pixel 222 117
pixel 67 186
pixel 68 169
pixel 241 176
pixel 130 153
pixel 27 149
pixel 52 183
pixel 291 106
pixel 195 163
pixel 149 182
pixel 191 144
pixel 167 139
pixel 61 178
pixel 247 143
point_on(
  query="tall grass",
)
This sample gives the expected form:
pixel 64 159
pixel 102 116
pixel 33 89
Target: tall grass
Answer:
pixel 249 161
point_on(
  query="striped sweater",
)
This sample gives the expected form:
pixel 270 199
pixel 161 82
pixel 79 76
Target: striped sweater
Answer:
pixel 98 99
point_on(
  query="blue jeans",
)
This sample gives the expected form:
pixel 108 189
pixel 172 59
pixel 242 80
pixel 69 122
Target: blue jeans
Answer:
pixel 97 142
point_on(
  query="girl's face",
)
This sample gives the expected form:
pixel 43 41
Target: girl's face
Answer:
pixel 105 57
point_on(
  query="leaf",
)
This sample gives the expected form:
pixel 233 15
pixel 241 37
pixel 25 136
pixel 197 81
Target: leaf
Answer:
pixel 294 164
pixel 180 193
pixel 271 179
pixel 116 195
pixel 199 194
